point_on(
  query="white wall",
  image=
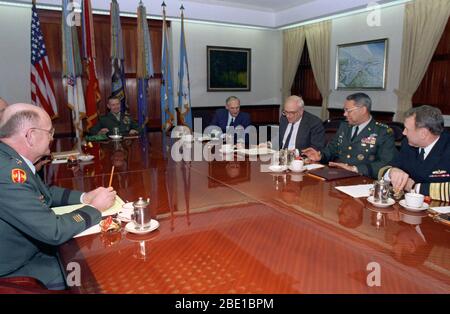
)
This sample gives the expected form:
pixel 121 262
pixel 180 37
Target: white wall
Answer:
pixel 15 54
pixel 266 59
pixel 354 29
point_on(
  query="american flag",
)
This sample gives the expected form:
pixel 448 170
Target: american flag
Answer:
pixel 42 90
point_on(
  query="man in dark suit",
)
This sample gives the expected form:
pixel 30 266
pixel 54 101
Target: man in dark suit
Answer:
pixel 298 128
pixel 361 144
pixel 30 230
pixel 231 116
pixel 423 164
pixel 113 119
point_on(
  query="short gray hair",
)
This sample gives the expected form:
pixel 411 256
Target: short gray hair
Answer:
pixel 361 99
pixel 231 98
pixel 427 117
pixel 17 122
pixel 297 99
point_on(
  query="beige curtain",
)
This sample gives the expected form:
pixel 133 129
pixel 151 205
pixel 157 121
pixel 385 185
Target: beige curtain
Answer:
pixel 318 41
pixel 293 42
pixel 424 23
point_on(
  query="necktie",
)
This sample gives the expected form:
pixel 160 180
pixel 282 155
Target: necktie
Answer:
pixel 355 133
pixel 232 122
pixel 288 139
pixel 421 154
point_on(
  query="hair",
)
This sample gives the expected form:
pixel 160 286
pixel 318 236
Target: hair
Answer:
pixel 113 97
pixel 231 98
pixel 361 99
pixel 427 117
pixel 297 99
pixel 18 121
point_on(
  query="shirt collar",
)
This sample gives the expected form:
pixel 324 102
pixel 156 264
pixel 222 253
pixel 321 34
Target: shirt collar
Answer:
pixel 428 149
pixel 30 164
pixel 363 125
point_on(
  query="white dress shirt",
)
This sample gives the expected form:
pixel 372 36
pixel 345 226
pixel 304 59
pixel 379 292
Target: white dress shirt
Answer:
pixel 291 144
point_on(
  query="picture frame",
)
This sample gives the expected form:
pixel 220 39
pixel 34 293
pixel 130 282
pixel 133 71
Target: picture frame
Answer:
pixel 228 69
pixel 362 65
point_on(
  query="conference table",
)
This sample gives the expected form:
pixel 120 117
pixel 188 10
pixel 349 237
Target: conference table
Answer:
pixel 229 227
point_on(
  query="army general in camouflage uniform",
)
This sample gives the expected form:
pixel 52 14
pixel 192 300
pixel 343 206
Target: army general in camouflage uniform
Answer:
pixel 113 119
pixel 361 144
pixel 29 230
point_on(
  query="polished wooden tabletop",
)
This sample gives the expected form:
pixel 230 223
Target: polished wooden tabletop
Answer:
pixel 232 227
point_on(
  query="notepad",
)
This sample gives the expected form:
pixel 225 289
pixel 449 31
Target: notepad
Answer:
pixel 356 191
pixel 61 210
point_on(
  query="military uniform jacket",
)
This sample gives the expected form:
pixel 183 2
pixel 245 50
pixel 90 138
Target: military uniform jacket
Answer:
pixel 29 229
pixel 433 173
pixel 372 149
pixel 110 122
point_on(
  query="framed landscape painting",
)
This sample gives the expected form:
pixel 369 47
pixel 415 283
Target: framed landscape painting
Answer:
pixel 229 69
pixel 362 65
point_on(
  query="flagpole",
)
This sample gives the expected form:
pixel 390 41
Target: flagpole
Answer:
pixel 166 88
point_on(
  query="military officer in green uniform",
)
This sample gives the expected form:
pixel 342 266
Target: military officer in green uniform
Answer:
pixel 361 144
pixel 30 231
pixel 113 119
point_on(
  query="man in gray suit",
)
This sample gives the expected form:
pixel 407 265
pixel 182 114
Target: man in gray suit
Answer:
pixel 300 129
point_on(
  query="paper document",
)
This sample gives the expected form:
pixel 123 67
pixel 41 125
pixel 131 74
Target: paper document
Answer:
pixel 441 209
pixel 360 190
pixel 313 166
pixel 96 228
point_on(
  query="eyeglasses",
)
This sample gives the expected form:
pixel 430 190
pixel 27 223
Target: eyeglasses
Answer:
pixel 352 109
pixel 289 113
pixel 51 132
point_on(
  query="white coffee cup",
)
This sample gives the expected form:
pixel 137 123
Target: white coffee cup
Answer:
pixel 297 165
pixel 414 199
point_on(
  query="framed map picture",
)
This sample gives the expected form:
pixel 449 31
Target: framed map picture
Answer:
pixel 362 65
pixel 229 69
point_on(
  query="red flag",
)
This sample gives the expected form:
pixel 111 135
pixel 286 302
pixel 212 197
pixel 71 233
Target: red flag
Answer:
pixel 93 95
pixel 42 90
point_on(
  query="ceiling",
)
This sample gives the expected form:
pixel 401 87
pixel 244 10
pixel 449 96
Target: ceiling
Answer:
pixel 272 14
pixel 260 5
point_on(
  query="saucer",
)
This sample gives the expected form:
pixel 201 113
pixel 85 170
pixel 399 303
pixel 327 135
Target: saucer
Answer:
pixel 131 227
pixel 115 137
pixel 301 170
pixel 414 209
pixel 277 168
pixel 390 202
pixel 85 157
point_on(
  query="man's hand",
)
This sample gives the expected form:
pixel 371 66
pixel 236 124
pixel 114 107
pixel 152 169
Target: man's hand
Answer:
pixel 133 132
pixel 103 131
pixel 312 154
pixel 400 179
pixel 343 166
pixel 100 198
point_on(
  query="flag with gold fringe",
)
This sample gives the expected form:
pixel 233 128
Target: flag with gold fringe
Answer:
pixel 184 89
pixel 93 95
pixel 117 58
pixel 167 108
pixel 144 65
pixel 72 68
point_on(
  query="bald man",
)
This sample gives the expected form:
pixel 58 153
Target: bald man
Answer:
pixel 3 105
pixel 30 231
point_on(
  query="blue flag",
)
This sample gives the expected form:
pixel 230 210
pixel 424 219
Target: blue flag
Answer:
pixel 167 108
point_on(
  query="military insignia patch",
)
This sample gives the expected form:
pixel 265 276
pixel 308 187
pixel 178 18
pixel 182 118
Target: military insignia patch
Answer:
pixel 360 157
pixel 18 176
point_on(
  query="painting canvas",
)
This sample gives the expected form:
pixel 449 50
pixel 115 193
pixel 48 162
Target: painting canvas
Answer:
pixel 228 68
pixel 362 65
